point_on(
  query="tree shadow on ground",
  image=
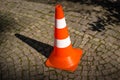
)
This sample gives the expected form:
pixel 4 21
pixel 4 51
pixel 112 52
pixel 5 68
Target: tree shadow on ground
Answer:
pixel 112 16
pixel 43 48
pixel 98 25
pixel 113 8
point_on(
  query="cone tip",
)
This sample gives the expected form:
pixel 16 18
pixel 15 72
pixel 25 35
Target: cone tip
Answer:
pixel 59 12
pixel 58 6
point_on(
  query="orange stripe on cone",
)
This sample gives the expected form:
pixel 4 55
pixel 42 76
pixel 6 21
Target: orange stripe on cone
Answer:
pixel 63 33
pixel 63 56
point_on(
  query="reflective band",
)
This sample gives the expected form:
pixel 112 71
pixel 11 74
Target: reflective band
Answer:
pixel 60 23
pixel 63 43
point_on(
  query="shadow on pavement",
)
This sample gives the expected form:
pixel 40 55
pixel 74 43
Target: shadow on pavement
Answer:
pixel 112 16
pixel 111 6
pixel 43 48
pixel 98 25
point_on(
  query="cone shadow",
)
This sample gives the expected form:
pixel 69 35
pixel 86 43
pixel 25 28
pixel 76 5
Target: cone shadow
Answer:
pixel 43 48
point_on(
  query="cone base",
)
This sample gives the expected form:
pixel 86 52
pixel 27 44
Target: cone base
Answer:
pixel 78 55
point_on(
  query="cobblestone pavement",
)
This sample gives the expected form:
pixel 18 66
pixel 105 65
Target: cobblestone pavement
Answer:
pixel 26 40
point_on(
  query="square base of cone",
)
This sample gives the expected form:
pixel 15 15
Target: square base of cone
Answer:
pixel 71 68
pixel 68 69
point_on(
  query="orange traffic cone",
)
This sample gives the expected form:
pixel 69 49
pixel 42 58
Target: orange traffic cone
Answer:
pixel 63 56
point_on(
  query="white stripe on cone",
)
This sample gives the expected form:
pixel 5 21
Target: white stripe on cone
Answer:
pixel 60 23
pixel 63 43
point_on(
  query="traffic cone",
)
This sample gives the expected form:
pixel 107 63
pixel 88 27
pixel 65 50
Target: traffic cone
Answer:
pixel 63 56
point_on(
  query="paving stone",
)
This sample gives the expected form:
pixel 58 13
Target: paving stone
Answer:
pixel 71 76
pixel 100 36
pixel 85 40
pixel 108 66
pixel 90 58
pixel 118 59
pixel 77 42
pixel 58 71
pixel 35 19
pixel 104 56
pixel 90 32
pixel 107 60
pixel 113 62
pixel 115 76
pixel 77 78
pixel 87 46
pixel 111 32
pixel 98 73
pixel 84 78
pixel 64 74
pixel 59 77
pixel 105 72
pixel 46 73
pixel 101 78
pixel 65 78
pixel 110 39
pixel 92 73
pixel 114 56
pixel 95 46
pixel 113 70
pixel 96 63
pixel 102 62
pixel 45 78
pixel 117 52
pixel 53 77
pixel 84 73
pixel 100 67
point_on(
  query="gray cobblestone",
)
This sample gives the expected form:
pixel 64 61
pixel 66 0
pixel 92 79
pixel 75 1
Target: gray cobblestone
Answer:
pixel 101 78
pixel 52 75
pixel 46 73
pixel 65 78
pixel 84 78
pixel 113 69
pixel 90 58
pixel 111 32
pixel 87 46
pixel 91 73
pixel 84 73
pixel 90 32
pixel 102 62
pixel 77 78
pixel 108 78
pixel 59 77
pixel 71 76
pixel 114 76
pixel 114 56
pixel 105 72
pixel 110 39
pixel 107 60
pixel 34 19
pixel 108 66
pixel 117 52
pixel 96 63
pixel 85 40
pixel 98 73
